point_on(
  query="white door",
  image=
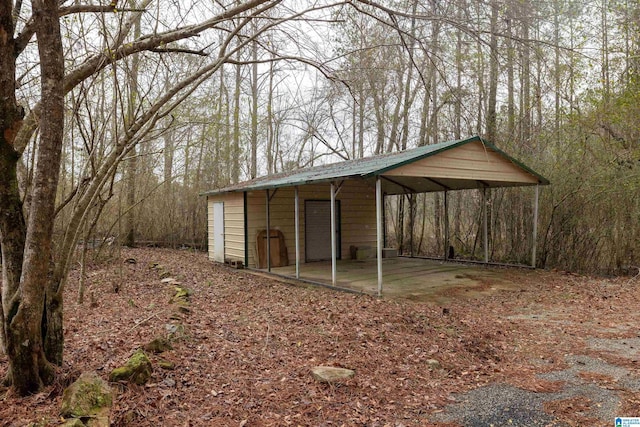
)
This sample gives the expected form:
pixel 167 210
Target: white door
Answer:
pixel 317 232
pixel 218 231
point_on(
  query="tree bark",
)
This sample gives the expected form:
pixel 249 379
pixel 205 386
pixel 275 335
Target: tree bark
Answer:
pixel 253 168
pixel 511 115
pixel 525 110
pixel 235 146
pixel 26 338
pixel 12 226
pixel 493 75
pixel 132 164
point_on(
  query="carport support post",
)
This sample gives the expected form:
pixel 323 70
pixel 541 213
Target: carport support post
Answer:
pixel 297 232
pixel 534 239
pixel 268 235
pixel 446 225
pixel 379 233
pixel 485 233
pixel 333 234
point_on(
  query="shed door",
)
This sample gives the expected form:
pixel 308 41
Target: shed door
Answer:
pixel 317 220
pixel 218 231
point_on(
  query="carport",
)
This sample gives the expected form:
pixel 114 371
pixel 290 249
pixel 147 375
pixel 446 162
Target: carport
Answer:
pixel 324 211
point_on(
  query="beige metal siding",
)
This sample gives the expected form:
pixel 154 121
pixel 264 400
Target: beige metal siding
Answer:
pixel 471 161
pixel 358 215
pixel 233 225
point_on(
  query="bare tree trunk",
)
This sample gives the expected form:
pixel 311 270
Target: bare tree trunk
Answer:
pixel 556 71
pixel 130 220
pixel 481 89
pixel 409 95
pixel 458 101
pixel 378 106
pixel 24 300
pixel 253 169
pixel 606 85
pixel 525 110
pixel 271 155
pixel 354 128
pixel 423 134
pixel 493 74
pixel 170 208
pixel 12 225
pixel 396 116
pixel 132 164
pixel 511 115
pixel 235 146
pixel 458 128
pixel 437 222
pixel 361 106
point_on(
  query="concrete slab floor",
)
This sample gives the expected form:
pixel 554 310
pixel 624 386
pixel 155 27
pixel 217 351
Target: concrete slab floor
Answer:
pixel 407 278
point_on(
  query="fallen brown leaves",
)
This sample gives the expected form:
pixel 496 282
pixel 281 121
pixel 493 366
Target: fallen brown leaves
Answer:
pixel 244 352
pixel 572 411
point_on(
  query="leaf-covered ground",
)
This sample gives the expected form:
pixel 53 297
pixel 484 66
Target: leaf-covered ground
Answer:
pixel 244 352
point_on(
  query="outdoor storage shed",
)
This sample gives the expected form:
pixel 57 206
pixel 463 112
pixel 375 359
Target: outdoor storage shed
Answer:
pixel 295 209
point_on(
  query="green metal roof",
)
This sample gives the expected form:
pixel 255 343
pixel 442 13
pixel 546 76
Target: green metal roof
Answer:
pixel 370 167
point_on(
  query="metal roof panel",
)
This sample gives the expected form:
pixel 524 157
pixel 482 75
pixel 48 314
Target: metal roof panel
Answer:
pixel 360 168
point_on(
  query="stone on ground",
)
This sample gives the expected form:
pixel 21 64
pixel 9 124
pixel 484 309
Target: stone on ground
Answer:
pixel 181 295
pixel 158 345
pixel 73 422
pixel 166 364
pixel 331 374
pixel 90 398
pixel 137 370
pixel 433 364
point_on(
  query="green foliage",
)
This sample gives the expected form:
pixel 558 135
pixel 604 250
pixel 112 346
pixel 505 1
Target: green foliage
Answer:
pixel 590 213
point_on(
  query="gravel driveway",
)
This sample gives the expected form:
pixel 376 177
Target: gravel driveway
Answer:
pixel 498 404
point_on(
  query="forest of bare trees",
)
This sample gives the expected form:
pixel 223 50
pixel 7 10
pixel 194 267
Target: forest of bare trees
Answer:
pixel 165 100
pixel 546 81
pixel 538 79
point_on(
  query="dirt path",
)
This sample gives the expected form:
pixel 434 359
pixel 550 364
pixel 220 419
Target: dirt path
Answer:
pixel 554 350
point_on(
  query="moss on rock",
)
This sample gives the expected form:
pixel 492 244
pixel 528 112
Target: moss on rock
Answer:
pixel 181 295
pixel 89 396
pixel 137 370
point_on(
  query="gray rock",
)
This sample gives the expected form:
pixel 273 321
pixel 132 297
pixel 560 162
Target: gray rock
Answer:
pixel 434 364
pixel 330 374
pixel 73 422
pixel 89 397
pixel 158 345
pixel 166 364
